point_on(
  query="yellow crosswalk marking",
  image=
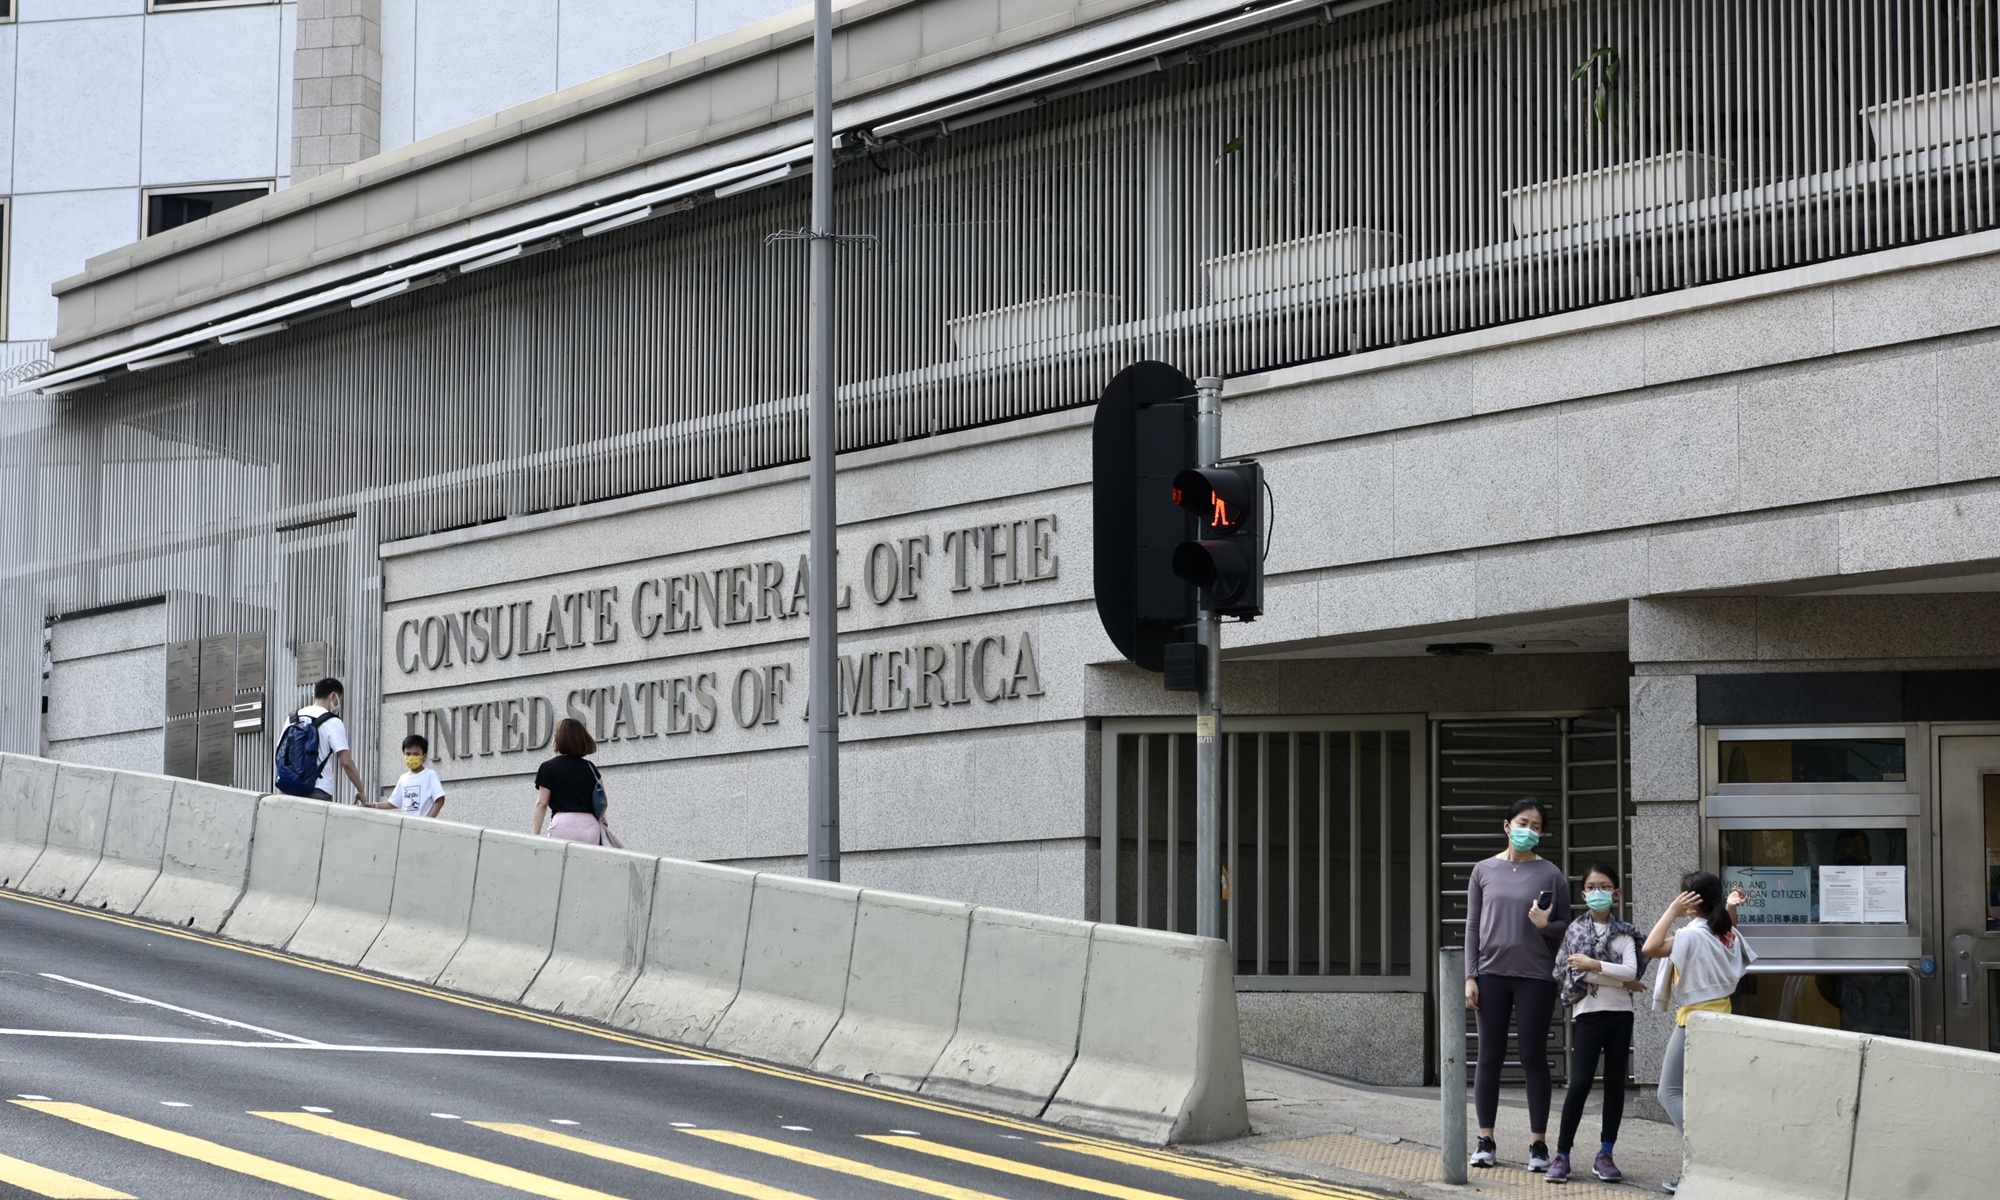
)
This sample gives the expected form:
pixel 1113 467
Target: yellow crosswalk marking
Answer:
pixel 1244 1178
pixel 1082 1183
pixel 450 1160
pixel 202 1150
pixel 645 1162
pixel 44 1182
pixel 845 1166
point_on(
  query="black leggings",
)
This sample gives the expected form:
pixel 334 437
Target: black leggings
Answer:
pixel 1611 1033
pixel 1530 1002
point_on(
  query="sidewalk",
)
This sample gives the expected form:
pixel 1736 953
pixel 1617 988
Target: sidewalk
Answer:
pixel 1386 1138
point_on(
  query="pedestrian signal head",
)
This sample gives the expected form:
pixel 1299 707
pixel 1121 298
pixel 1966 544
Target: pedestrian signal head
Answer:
pixel 1226 561
pixel 1218 496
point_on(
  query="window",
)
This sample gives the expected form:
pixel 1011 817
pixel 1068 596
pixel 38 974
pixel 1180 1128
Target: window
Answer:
pixel 1857 1002
pixel 1852 876
pixel 6 250
pixel 171 5
pixel 167 208
pixel 1814 760
pixel 1991 784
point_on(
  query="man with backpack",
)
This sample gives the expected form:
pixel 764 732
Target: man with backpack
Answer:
pixel 311 746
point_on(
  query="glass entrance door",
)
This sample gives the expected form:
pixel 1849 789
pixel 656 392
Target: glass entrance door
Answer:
pixel 1968 953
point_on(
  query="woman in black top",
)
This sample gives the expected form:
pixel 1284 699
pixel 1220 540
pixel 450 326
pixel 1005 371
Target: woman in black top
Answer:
pixel 564 784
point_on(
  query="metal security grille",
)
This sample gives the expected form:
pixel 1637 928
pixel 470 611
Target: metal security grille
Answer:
pixel 1575 764
pixel 1323 835
pixel 1309 190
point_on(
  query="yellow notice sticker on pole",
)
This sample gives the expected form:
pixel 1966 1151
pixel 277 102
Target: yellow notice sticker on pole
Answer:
pixel 1204 726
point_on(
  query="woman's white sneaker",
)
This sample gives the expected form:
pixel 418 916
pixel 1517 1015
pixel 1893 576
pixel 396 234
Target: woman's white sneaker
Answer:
pixel 1483 1156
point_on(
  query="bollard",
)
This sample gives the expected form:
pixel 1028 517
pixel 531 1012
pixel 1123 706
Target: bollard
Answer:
pixel 1451 1060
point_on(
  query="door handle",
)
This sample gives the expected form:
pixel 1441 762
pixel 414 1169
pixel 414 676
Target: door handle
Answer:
pixel 1962 947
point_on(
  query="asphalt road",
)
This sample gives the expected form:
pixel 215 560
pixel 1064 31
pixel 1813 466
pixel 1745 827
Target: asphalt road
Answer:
pixel 141 1061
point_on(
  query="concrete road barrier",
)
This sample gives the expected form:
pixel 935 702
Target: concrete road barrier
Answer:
pixel 430 909
pixel 1796 1112
pixel 135 839
pixel 27 792
pixel 77 817
pixel 1926 1123
pixel 513 921
pixel 694 952
pixel 1102 1028
pixel 205 863
pixel 1770 1108
pixel 1158 1054
pixel 284 871
pixel 357 874
pixel 1018 1014
pixel 794 970
pixel 600 940
pixel 903 982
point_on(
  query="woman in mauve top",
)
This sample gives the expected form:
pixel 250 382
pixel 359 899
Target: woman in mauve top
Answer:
pixel 1510 959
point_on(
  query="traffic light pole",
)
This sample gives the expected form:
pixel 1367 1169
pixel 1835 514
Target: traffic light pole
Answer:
pixel 1208 707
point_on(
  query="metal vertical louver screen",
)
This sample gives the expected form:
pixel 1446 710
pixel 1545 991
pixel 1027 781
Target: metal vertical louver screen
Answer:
pixel 1323 836
pixel 1321 189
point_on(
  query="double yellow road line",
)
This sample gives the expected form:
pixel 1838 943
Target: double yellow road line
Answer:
pixel 43 1181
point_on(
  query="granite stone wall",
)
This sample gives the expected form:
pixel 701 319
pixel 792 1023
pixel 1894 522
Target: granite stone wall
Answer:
pixel 1372 1037
pixel 107 689
pixel 336 85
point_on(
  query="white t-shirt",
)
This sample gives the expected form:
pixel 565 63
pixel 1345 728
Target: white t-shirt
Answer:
pixel 415 791
pixel 1608 992
pixel 332 740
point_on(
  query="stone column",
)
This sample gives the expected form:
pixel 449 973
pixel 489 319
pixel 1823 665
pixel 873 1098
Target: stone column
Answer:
pixel 336 85
pixel 1666 835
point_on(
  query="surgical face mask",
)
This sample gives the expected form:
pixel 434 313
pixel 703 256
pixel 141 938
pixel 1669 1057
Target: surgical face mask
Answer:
pixel 1598 901
pixel 414 761
pixel 1523 839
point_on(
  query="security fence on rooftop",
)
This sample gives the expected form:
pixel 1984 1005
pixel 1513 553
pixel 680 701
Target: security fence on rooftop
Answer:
pixel 1320 189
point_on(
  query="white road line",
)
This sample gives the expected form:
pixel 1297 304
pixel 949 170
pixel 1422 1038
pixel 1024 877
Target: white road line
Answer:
pixel 433 1050
pixel 129 998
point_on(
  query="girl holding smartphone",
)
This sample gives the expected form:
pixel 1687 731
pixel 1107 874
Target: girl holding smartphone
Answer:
pixel 1516 909
pixel 1597 970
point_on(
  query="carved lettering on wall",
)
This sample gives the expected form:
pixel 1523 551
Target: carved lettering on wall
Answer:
pixel 990 669
pixel 997 555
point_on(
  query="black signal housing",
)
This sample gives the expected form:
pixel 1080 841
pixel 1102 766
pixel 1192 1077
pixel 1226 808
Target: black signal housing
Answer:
pixel 1226 559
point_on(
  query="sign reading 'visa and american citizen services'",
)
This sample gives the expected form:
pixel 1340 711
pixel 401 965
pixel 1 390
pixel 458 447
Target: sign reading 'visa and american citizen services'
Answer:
pixel 992 667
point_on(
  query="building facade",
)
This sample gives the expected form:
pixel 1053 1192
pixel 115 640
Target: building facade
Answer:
pixel 1620 370
pixel 195 105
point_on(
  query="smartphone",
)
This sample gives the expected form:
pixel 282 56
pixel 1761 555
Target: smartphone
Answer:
pixel 1545 900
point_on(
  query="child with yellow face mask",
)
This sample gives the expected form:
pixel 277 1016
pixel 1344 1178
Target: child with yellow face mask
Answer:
pixel 419 793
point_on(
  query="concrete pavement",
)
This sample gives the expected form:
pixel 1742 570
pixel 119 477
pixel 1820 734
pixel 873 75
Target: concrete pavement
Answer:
pixel 1387 1138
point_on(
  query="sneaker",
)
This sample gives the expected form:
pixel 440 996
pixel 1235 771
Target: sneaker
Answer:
pixel 1606 1170
pixel 1671 1186
pixel 1483 1156
pixel 1559 1169
pixel 1538 1156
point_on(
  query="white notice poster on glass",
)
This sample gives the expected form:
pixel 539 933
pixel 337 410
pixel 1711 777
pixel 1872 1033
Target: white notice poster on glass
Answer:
pixel 1882 894
pixel 1840 896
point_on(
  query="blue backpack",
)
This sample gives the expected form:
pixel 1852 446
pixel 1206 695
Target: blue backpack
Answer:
pixel 299 761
